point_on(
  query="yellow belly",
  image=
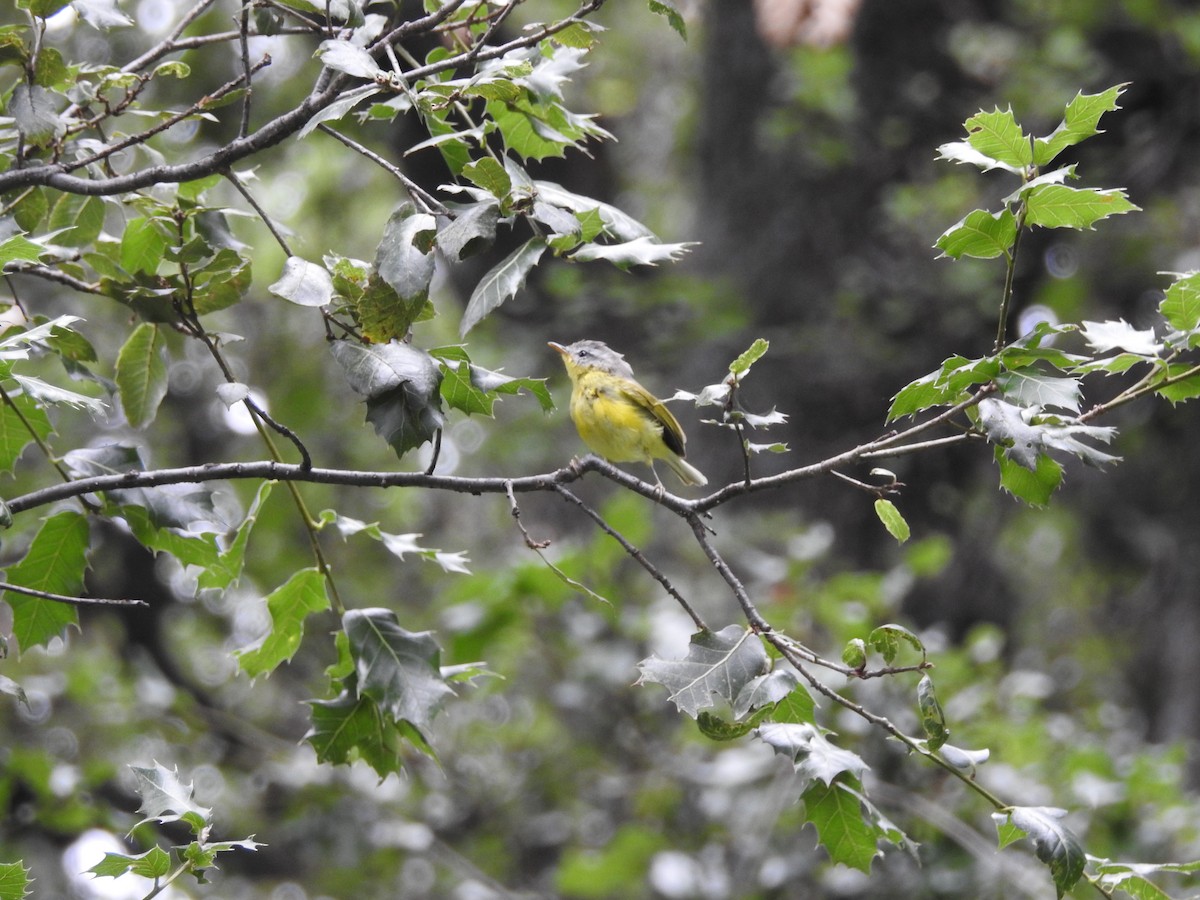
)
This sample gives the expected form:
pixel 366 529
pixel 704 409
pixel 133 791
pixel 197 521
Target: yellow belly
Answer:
pixel 614 426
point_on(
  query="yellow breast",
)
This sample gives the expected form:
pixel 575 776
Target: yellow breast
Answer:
pixel 610 423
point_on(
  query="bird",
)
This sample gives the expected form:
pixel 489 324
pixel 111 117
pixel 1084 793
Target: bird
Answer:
pixel 619 419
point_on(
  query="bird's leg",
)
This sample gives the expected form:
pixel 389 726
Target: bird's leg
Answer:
pixel 660 490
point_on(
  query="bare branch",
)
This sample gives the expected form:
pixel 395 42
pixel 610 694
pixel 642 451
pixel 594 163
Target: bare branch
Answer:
pixel 73 601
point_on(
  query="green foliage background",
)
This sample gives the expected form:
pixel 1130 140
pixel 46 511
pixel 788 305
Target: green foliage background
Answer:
pixel 1064 638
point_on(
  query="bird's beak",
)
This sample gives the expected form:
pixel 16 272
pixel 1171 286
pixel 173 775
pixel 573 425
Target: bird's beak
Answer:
pixel 559 347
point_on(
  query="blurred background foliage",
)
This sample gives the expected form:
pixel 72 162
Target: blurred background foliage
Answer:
pixel 803 160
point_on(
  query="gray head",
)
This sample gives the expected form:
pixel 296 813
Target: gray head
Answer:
pixel 595 355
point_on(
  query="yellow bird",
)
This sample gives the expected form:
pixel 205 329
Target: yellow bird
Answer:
pixel 617 417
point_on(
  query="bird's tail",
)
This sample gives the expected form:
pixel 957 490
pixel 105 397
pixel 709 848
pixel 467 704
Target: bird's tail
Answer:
pixel 687 473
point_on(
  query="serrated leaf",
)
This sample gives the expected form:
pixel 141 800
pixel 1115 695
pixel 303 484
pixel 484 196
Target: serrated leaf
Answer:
pixel 814 756
pixel 668 10
pixel 1120 335
pixel 289 606
pixel 55 563
pixel 488 174
pixel 19 248
pixel 643 251
pixel 350 58
pixel 475 390
pixel 836 813
pixel 33 109
pixel 399 670
pixel 165 796
pixel 1181 305
pixel 501 283
pixel 1054 843
pixel 303 283
pixel 981 234
pixel 1035 486
pixel 143 245
pixel 21 422
pixel 718 664
pixel 1023 437
pixel 226 569
pixel 892 520
pixel 401 384
pixel 142 375
pixel 1028 387
pixel 618 224
pixel 933 719
pixel 14 881
pixel 997 135
pixel 1059 206
pixel 350 727
pixel 404 257
pixel 1185 388
pixel 886 640
pixel 764 690
pixel 749 357
pixel 962 153
pixel 473 230
pixel 854 654
pixel 79 219
pixel 1079 123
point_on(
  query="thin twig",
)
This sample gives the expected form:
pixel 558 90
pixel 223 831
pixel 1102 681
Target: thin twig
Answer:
pixel 429 203
pixel 73 601
pixel 634 552
pixel 233 179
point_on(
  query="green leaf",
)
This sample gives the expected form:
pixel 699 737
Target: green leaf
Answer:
pixel 1059 206
pixel 143 245
pixel 350 58
pixel 189 548
pixel 32 208
pixel 289 606
pixel 1185 388
pixel 43 8
pixel 854 654
pixel 227 568
pixel 166 797
pixel 399 670
pixel 80 218
pixel 765 690
pixel 718 663
pixel 21 422
pixel 473 230
pixel 715 728
pixel 617 224
pixel 19 248
pixel 1181 305
pixel 667 9
pixel 1035 486
pixel 1024 436
pixel 1079 123
pixel 489 175
pixel 34 111
pixel 1028 387
pixel 1054 843
pixel 142 375
pixel 352 727
pixel 401 384
pixel 981 234
pixel 54 563
pixel 14 881
pixel 303 283
pixel 997 135
pixel 892 520
pixel 643 251
pixel 475 390
pixel 740 366
pixel 886 639
pixel 501 283
pixel 404 257
pixel 933 719
pixel 836 813
pixel 814 756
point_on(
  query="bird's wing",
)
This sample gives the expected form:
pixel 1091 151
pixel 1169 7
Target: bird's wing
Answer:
pixel 654 409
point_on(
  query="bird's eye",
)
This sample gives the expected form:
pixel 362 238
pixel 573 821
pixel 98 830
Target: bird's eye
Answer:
pixel 583 353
